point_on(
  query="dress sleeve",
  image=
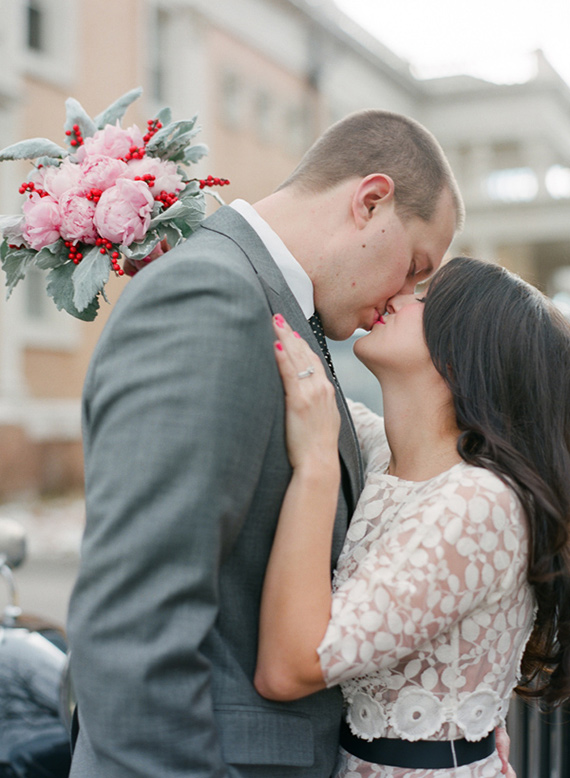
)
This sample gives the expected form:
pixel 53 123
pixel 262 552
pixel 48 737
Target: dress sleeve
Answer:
pixel 439 560
pixel 371 436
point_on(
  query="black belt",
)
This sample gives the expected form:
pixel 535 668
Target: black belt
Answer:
pixel 427 754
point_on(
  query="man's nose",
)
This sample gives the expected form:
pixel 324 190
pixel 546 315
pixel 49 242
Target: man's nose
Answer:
pixel 409 286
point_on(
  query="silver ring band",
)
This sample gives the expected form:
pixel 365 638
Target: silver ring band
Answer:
pixel 306 373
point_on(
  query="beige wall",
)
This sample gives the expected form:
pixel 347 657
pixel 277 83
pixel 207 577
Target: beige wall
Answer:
pixel 254 160
pixel 109 50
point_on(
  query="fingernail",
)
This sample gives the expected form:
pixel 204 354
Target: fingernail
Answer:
pixel 279 320
pixel 279 347
pixel 296 334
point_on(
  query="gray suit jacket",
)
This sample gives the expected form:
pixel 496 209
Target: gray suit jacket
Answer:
pixel 186 469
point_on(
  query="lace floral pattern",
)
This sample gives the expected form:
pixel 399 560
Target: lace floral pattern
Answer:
pixel 417 714
pixel 431 608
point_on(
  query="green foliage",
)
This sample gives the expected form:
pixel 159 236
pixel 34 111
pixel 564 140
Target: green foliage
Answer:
pixel 60 288
pixel 76 288
pixel 31 149
pixel 143 248
pixel 75 113
pixel 116 110
pixel 89 278
pixel 52 256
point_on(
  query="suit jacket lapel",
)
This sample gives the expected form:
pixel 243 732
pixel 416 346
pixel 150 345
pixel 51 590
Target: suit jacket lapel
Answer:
pixel 281 300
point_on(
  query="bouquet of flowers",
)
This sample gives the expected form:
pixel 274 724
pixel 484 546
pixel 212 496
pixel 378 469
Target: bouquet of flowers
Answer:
pixel 111 193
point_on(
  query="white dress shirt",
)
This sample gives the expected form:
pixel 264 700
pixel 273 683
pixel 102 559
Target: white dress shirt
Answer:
pixel 297 279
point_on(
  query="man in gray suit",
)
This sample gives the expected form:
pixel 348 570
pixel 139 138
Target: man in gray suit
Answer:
pixel 186 464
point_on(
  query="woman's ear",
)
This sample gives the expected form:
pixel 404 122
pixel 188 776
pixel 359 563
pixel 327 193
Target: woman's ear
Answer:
pixel 373 191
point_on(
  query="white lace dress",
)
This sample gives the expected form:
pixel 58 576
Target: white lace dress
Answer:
pixel 431 609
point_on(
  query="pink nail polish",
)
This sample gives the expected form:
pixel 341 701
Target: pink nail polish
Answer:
pixel 279 347
pixel 296 334
pixel 279 320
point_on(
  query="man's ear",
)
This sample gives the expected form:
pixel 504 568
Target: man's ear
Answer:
pixel 372 191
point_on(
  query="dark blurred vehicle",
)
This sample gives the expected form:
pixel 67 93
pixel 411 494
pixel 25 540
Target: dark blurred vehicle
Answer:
pixel 34 740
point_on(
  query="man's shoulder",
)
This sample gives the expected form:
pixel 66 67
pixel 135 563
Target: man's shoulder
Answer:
pixel 203 255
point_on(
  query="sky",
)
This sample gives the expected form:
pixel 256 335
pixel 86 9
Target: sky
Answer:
pixel 491 39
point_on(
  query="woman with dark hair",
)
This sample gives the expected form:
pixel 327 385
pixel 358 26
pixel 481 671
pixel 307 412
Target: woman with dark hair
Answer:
pixel 453 587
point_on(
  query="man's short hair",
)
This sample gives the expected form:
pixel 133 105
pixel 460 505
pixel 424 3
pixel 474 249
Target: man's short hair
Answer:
pixel 375 141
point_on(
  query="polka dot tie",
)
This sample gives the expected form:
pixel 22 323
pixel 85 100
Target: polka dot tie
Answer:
pixel 317 327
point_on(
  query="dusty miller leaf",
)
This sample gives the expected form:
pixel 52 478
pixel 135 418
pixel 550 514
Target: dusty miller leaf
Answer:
pixel 76 114
pixel 143 248
pixel 89 278
pixel 31 149
pixel 192 216
pixel 216 196
pixel 164 116
pixel 172 234
pixel 175 149
pixel 15 263
pixel 169 214
pixel 60 289
pixel 165 140
pixel 11 227
pixel 52 256
pixel 116 110
pixel 192 189
pixel 195 153
pixel 48 161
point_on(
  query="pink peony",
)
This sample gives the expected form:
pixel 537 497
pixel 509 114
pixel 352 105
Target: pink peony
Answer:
pixel 99 172
pixel 43 220
pixel 57 180
pixel 167 177
pixel 111 141
pixel 123 213
pixel 77 214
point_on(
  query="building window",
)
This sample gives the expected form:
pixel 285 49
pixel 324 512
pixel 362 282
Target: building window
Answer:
pixel 160 53
pixel 297 129
pixel 35 30
pixel 45 56
pixel 516 185
pixel 263 116
pixel 558 182
pixel 232 100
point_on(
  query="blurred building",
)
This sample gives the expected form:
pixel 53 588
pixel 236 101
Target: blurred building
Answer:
pixel 266 77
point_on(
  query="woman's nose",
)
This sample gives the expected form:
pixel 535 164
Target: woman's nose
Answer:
pixel 398 301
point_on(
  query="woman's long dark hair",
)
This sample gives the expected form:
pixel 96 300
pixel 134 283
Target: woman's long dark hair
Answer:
pixel 504 351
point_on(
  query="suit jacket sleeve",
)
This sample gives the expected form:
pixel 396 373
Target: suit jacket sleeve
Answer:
pixel 177 414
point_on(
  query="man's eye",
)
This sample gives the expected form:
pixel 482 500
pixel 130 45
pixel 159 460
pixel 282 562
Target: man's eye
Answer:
pixel 413 269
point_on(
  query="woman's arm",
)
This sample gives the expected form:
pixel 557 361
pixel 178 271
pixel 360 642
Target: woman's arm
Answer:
pixel 296 601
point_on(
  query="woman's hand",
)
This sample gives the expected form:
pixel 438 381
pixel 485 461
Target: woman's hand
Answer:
pixel 313 420
pixel 296 600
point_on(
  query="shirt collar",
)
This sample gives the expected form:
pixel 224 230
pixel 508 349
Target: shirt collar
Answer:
pixel 297 279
